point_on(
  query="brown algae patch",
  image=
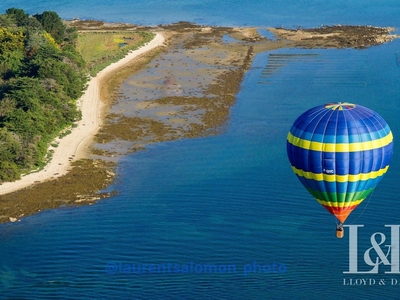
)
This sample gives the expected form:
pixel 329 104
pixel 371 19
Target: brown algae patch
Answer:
pixel 185 91
pixel 337 36
pixel 81 185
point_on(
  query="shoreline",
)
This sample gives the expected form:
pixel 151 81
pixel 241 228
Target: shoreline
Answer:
pixel 74 146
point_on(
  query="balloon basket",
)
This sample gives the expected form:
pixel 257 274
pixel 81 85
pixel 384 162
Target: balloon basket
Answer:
pixel 340 233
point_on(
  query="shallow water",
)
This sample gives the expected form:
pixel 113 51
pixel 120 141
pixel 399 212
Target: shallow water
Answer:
pixel 230 201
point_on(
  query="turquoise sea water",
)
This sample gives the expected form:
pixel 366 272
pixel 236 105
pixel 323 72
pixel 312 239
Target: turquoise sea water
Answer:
pixel 222 217
pixel 305 13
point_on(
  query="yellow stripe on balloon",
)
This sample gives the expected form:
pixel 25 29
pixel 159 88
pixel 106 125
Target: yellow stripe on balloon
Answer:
pixel 340 204
pixel 347 147
pixel 340 178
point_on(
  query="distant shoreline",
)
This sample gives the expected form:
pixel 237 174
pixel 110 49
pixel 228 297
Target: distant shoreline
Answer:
pixel 75 145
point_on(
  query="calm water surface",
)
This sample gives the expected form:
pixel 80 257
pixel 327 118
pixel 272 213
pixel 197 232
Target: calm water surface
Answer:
pixel 221 217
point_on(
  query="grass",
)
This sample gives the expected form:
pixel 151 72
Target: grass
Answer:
pixel 100 49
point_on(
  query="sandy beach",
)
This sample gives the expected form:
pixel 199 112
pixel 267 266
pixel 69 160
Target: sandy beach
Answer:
pixel 76 144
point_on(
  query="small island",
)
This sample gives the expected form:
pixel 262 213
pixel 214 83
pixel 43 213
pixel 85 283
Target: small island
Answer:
pixel 54 80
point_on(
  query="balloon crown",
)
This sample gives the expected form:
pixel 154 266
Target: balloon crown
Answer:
pixel 340 106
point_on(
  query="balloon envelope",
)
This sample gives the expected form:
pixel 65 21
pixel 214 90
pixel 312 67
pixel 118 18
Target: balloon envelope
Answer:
pixel 340 151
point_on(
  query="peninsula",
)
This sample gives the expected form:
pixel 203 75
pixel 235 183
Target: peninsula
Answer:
pixel 187 80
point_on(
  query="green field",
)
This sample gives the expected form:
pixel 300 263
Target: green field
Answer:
pixel 99 49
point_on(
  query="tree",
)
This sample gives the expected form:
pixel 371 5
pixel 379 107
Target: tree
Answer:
pixel 9 145
pixel 9 148
pixel 9 171
pixel 11 41
pixel 6 21
pixel 10 63
pixel 20 16
pixel 34 41
pixel 53 24
pixel 26 92
pixel 7 104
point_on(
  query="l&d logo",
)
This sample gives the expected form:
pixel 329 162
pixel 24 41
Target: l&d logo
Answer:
pixel 381 253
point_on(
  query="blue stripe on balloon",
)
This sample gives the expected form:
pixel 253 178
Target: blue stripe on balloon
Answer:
pixel 342 163
pixel 340 135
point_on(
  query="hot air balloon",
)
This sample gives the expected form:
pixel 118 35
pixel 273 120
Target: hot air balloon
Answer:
pixel 340 152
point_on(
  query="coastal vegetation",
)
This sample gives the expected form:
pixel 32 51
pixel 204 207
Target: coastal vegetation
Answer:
pixel 99 48
pixel 44 67
pixel 41 77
